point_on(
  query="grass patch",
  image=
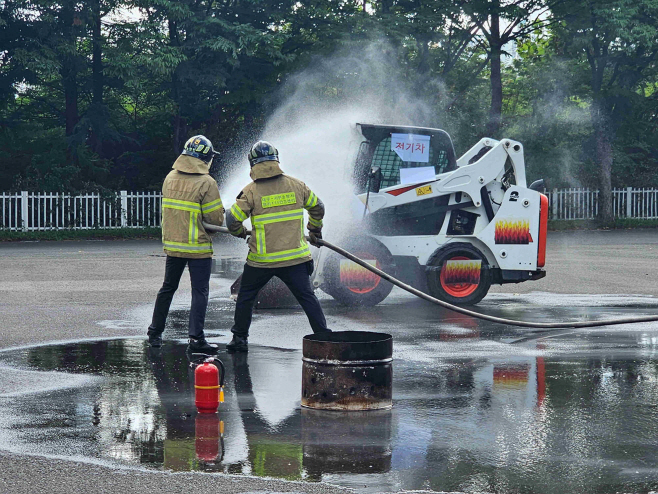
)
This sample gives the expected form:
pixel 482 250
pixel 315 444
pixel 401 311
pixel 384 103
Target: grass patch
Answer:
pixel 618 224
pixel 95 234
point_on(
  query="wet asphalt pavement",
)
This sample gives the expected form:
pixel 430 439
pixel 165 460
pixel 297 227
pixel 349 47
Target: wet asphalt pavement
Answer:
pixel 477 407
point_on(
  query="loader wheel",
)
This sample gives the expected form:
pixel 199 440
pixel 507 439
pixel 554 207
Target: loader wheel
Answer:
pixel 354 285
pixel 458 274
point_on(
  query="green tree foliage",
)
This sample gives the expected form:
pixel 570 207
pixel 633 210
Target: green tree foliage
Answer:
pixel 103 93
pixel 618 39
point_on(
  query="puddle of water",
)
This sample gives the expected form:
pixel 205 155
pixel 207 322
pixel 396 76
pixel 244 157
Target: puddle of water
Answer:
pixel 518 423
pixel 477 406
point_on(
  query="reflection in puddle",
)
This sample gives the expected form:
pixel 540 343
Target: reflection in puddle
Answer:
pixel 524 423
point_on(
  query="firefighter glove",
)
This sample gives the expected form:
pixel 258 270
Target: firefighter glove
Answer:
pixel 315 235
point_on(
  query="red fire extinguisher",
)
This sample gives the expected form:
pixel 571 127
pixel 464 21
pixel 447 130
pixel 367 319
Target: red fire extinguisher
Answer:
pixel 208 387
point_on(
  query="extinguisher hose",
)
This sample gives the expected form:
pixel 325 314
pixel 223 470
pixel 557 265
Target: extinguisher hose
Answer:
pixel 461 310
pixel 222 370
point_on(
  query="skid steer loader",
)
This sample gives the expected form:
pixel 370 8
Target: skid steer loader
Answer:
pixel 448 226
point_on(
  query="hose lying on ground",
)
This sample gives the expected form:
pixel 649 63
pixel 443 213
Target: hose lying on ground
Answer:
pixel 461 310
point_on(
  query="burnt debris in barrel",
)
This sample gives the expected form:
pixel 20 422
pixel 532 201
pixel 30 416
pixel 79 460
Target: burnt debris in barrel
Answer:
pixel 347 370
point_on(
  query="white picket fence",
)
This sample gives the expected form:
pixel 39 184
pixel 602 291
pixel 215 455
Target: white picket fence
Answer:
pixel 583 204
pixel 29 211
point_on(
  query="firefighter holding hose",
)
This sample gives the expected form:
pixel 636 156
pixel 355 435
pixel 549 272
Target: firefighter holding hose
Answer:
pixel 189 197
pixel 277 246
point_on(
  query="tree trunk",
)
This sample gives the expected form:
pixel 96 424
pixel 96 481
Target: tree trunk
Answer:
pixel 603 136
pixel 97 62
pixel 179 123
pixel 69 71
pixel 423 55
pixel 495 114
pixel 180 132
pixel 70 83
pixel 423 69
pixel 95 138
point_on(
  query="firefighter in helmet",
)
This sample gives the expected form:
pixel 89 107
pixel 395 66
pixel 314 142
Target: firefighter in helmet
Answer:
pixel 277 246
pixel 189 197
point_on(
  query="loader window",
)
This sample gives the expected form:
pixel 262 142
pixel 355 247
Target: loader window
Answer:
pixel 390 163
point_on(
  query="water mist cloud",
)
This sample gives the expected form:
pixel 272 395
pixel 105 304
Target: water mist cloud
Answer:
pixel 314 125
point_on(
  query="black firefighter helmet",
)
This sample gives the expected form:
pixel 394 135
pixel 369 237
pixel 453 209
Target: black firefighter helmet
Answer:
pixel 262 151
pixel 199 147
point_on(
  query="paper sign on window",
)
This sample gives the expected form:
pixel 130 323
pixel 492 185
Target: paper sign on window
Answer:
pixel 411 147
pixel 417 175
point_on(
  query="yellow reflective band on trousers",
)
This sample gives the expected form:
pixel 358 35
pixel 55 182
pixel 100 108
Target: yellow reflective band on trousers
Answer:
pixel 312 201
pixel 238 213
pixel 259 222
pixel 274 200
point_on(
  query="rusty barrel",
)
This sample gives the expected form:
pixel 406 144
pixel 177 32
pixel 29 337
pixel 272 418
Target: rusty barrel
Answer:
pixel 347 370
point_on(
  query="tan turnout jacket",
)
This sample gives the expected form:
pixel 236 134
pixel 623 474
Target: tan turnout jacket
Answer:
pixel 189 196
pixel 275 202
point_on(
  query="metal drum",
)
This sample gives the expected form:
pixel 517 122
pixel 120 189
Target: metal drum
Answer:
pixel 347 370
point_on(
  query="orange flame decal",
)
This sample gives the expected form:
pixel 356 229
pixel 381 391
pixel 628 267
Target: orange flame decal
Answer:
pixel 512 232
pixel 358 279
pixel 511 376
pixel 457 272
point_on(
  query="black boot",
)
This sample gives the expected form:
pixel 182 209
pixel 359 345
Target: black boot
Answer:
pixel 155 340
pixel 201 346
pixel 237 344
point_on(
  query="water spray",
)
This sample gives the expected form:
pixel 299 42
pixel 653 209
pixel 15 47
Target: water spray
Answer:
pixel 456 308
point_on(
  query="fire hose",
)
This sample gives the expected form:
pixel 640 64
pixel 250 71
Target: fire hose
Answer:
pixel 456 308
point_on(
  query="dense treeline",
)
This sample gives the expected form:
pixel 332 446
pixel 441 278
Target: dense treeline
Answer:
pixel 102 94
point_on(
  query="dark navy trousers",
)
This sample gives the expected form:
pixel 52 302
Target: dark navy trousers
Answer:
pixel 200 278
pixel 296 278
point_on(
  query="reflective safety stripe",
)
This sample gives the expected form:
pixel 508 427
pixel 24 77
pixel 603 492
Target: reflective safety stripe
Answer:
pixel 194 228
pixel 311 201
pixel 315 222
pixel 263 219
pixel 238 213
pixel 193 245
pixel 184 247
pixel 259 221
pixel 209 207
pixel 182 205
pixel 259 230
pixel 284 255
pixel 180 208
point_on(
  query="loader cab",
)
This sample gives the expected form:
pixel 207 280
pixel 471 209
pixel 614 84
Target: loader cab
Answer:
pixel 375 152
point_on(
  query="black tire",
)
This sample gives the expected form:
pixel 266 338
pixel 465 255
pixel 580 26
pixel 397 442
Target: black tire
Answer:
pixel 475 285
pixel 361 287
